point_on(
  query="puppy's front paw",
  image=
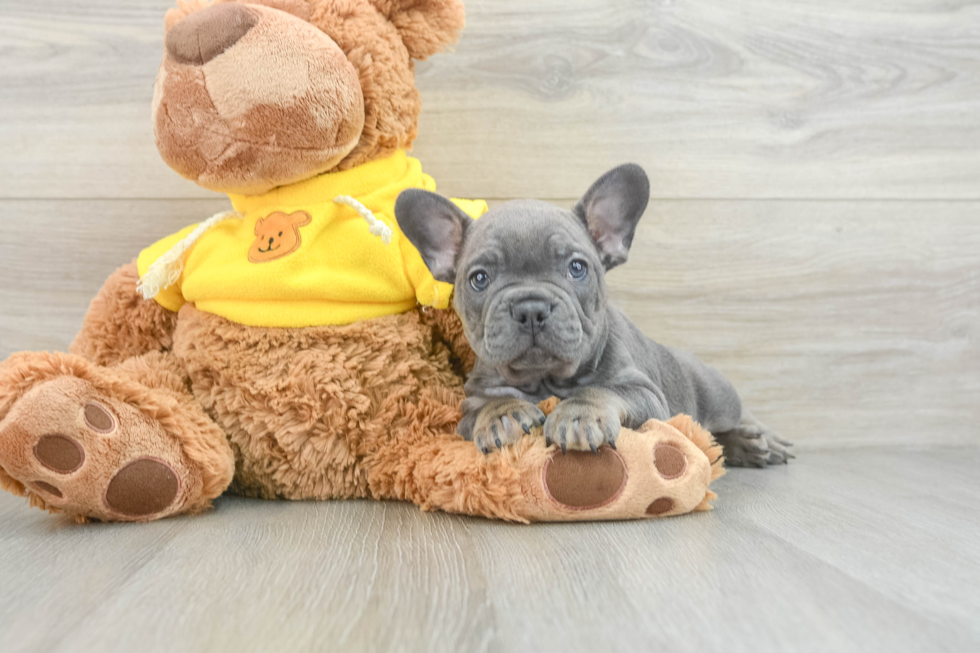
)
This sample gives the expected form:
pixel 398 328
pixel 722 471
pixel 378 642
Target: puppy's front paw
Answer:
pixel 504 421
pixel 582 424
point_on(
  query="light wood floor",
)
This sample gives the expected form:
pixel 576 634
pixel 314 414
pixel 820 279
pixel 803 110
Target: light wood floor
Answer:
pixel 813 233
pixel 866 550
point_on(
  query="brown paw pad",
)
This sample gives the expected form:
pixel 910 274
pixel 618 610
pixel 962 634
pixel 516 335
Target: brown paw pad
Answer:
pixel 143 487
pixel 660 506
pixel 583 480
pixel 669 460
pixel 99 419
pixel 59 453
pixel 47 488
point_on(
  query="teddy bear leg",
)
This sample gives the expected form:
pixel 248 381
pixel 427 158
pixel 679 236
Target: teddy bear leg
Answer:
pixel 660 470
pixel 123 443
pixel 121 324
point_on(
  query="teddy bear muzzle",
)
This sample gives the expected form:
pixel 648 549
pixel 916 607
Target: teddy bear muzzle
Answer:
pixel 202 36
pixel 250 97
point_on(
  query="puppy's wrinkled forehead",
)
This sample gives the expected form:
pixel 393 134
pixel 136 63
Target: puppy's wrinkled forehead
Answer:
pixel 524 235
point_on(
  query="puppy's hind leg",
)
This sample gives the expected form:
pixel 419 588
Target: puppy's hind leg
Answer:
pixel 752 444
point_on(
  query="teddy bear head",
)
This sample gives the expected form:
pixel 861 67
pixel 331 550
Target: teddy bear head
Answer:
pixel 255 94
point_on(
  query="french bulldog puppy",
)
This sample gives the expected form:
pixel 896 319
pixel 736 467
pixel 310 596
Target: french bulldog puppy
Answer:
pixel 530 290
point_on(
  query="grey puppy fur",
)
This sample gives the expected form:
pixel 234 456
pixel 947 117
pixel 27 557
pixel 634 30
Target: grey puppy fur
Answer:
pixel 530 289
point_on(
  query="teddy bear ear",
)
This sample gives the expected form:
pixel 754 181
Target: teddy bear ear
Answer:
pixel 183 9
pixel 300 218
pixel 426 26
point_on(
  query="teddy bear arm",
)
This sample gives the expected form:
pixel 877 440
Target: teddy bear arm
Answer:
pixel 447 329
pixel 120 324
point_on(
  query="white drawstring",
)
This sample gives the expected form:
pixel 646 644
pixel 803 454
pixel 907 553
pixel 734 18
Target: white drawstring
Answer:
pixel 165 271
pixel 375 226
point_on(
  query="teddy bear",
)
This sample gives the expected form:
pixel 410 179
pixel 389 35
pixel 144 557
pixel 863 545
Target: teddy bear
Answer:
pixel 296 346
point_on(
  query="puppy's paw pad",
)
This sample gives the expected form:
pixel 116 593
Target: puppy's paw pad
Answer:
pixel 584 480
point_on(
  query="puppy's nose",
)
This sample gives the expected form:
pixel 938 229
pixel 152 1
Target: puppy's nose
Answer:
pixel 202 36
pixel 531 313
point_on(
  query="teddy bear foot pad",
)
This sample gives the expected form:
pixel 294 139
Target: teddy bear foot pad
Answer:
pixel 76 450
pixel 661 470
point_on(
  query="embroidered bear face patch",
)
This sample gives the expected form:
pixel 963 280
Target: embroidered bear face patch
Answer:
pixel 277 235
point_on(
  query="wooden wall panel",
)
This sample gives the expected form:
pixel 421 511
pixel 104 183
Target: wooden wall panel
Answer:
pixel 756 99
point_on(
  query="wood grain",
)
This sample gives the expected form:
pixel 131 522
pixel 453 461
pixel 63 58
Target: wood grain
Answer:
pixel 755 99
pixel 845 322
pixel 55 255
pixel 841 323
pixel 869 550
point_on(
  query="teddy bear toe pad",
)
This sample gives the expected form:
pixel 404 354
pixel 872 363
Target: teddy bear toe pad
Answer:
pixel 91 455
pixel 59 453
pixel 581 480
pixel 142 488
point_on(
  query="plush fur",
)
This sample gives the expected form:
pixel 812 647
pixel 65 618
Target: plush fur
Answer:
pixel 364 410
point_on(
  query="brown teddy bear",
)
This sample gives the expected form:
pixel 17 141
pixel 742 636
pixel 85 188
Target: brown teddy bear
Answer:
pixel 297 347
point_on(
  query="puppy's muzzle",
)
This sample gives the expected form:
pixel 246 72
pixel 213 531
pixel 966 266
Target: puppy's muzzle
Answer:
pixel 525 326
pixel 531 314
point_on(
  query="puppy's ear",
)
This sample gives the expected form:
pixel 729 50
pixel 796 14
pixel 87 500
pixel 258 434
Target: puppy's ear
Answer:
pixel 611 208
pixel 436 227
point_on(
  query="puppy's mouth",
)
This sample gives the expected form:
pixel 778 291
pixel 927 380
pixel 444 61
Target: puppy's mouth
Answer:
pixel 268 249
pixel 535 358
pixel 536 363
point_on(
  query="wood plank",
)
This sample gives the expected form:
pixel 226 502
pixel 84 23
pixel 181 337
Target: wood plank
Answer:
pixel 814 556
pixel 924 513
pixel 75 112
pixel 840 322
pixel 759 99
pixel 56 254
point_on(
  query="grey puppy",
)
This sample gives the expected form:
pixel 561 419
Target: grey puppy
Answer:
pixel 530 289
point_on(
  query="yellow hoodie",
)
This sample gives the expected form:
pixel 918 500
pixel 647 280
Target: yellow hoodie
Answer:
pixel 295 257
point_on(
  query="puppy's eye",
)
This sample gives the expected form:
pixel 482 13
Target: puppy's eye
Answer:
pixel 578 269
pixel 280 233
pixel 479 280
